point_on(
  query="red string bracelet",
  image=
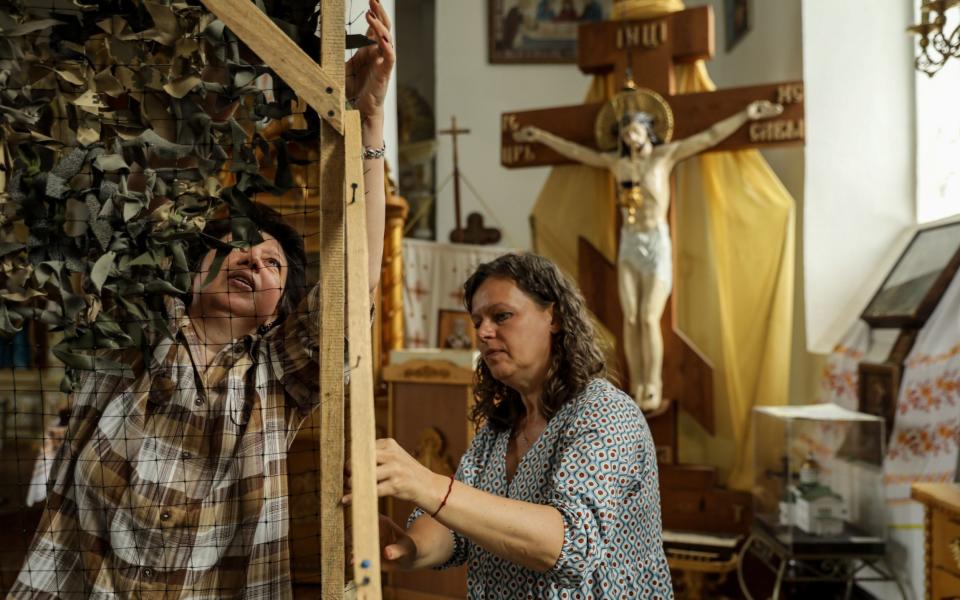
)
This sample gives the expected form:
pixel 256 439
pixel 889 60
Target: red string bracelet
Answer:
pixel 444 502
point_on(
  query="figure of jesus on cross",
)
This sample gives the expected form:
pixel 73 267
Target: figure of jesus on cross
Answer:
pixel 638 123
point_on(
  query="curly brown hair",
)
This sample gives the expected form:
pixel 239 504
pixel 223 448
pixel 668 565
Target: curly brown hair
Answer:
pixel 575 356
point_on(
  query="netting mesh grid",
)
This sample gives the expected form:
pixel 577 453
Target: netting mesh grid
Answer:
pixel 150 391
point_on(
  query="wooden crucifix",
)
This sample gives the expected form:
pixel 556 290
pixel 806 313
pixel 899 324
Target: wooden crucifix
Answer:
pixel 572 134
pixel 457 235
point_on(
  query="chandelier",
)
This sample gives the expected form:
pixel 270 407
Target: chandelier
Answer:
pixel 936 45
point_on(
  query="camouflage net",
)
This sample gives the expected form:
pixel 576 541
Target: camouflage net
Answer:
pixel 124 127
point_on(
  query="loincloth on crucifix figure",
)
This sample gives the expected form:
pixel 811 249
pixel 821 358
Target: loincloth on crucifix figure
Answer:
pixel 732 221
pixel 639 124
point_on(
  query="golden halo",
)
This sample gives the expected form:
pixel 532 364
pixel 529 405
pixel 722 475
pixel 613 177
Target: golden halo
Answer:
pixel 632 101
pixel 624 10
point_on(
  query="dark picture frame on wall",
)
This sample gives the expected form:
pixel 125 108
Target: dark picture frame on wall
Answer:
pixel 918 280
pixel 878 390
pixel 736 17
pixel 539 31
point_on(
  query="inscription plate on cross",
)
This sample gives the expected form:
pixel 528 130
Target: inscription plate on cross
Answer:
pixel 650 47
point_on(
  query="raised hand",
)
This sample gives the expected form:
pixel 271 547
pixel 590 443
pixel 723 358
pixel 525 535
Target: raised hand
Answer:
pixel 368 71
pixel 763 109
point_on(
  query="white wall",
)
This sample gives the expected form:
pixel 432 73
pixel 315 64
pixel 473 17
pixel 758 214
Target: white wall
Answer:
pixel 477 93
pixel 860 180
pixel 938 139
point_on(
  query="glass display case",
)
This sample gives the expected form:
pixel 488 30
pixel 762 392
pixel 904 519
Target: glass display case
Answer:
pixel 818 486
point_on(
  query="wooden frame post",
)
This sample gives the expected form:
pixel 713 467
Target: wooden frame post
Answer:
pixel 333 299
pixel 363 460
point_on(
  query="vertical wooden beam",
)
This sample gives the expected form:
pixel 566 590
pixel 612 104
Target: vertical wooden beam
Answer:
pixel 331 447
pixel 363 460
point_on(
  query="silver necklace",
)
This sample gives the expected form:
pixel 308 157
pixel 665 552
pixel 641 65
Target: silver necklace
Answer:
pixel 523 434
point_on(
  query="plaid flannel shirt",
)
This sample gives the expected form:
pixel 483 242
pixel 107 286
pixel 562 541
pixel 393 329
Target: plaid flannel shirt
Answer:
pixel 172 481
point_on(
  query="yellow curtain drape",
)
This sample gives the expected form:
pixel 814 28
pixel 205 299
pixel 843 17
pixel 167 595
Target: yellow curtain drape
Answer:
pixel 734 248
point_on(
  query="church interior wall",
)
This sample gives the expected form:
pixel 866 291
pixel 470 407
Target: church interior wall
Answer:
pixel 477 92
pixel 860 176
pixel 938 142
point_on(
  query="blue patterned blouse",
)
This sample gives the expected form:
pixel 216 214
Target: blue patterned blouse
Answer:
pixel 595 463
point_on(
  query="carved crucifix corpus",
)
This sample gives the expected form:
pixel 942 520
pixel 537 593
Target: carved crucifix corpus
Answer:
pixel 698 122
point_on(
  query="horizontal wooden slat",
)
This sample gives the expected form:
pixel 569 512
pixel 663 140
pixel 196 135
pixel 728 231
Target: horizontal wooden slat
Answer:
pixel 287 60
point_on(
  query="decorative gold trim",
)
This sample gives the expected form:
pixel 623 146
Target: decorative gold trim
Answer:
pixel 428 371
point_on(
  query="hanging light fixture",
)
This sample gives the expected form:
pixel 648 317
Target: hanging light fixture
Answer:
pixel 936 44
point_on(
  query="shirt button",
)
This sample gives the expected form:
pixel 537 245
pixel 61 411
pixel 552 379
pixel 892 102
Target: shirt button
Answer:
pixel 148 572
pixel 186 455
pixel 165 516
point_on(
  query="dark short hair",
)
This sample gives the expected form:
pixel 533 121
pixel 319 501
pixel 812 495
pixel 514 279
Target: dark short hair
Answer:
pixel 576 357
pixel 272 222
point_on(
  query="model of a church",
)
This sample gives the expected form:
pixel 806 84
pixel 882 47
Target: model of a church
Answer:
pixel 811 506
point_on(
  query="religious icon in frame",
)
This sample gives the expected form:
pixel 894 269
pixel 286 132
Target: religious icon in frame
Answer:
pixel 918 280
pixel 455 331
pixel 540 31
pixel 736 16
pixel 878 391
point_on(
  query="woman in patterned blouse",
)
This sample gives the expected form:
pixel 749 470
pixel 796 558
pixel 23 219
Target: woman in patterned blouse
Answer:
pixel 557 496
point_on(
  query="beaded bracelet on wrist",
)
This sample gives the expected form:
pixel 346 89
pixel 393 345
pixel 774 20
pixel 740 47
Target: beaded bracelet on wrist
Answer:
pixel 374 153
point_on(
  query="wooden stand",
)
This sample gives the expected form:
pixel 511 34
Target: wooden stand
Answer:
pixel 941 537
pixel 694 572
pixel 808 560
pixel 690 497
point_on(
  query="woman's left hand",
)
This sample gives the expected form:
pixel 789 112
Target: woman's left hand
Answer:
pixel 401 476
pixel 368 71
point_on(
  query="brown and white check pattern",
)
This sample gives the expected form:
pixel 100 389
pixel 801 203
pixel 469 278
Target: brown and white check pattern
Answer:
pixel 172 481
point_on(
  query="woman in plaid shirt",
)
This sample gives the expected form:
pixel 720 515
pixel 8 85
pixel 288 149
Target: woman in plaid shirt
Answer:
pixel 171 482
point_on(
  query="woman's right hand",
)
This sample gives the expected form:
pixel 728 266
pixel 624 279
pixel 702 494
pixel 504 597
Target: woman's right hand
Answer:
pixel 763 109
pixel 368 71
pixel 398 549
